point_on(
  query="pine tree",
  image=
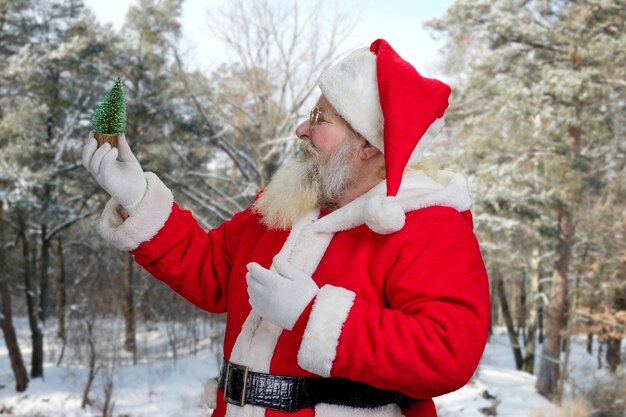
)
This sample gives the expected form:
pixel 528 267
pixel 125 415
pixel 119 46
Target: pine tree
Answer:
pixel 109 121
pixel 536 85
pixel 153 98
pixel 47 79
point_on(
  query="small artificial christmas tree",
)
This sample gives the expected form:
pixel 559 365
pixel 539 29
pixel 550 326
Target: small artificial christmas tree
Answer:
pixel 109 121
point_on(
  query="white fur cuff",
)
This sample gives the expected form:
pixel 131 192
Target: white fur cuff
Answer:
pixel 321 336
pixel 147 219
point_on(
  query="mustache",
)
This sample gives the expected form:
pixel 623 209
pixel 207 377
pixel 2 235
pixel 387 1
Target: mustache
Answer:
pixel 307 150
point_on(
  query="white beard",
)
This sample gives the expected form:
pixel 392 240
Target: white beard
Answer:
pixel 304 184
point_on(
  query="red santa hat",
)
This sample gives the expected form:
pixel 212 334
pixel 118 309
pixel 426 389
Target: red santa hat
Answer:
pixel 397 110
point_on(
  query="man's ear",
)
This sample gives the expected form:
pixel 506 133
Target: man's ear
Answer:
pixel 367 150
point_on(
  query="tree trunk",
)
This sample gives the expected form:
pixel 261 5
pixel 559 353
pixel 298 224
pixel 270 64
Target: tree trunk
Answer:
pixel 540 309
pixel 614 342
pixel 599 357
pixel 567 336
pixel 10 338
pixel 57 245
pixel 522 313
pixel 529 349
pixel 45 243
pixel 533 318
pixel 508 319
pixel 29 256
pixel 566 322
pixel 540 323
pixel 492 302
pixel 590 343
pixel 93 370
pixel 613 349
pixel 43 274
pixel 549 371
pixel 6 322
pixel 129 306
pixel 547 381
pixel 61 294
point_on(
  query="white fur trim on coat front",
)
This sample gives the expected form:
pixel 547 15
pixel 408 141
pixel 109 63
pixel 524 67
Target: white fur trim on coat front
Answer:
pixel 257 340
pixel 418 190
pixel 321 335
pixel 149 217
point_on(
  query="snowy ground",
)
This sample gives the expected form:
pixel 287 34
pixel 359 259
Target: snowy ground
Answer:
pixel 496 381
pixel 166 387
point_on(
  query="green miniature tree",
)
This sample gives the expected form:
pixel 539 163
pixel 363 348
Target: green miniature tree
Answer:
pixel 109 121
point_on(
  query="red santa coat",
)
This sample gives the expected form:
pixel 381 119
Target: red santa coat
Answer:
pixel 407 311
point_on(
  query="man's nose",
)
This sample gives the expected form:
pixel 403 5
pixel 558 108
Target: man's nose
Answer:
pixel 303 130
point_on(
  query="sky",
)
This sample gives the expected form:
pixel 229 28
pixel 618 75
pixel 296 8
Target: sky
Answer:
pixel 400 22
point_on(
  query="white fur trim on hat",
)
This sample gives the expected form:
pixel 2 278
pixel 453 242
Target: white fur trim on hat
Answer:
pixel 351 86
pixel 149 217
pixel 321 335
pixel 384 215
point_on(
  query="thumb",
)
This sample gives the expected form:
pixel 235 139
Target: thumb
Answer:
pixel 125 153
pixel 255 269
pixel 287 270
pixel 259 273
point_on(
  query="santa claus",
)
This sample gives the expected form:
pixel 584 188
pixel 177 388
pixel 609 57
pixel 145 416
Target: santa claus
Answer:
pixel 354 284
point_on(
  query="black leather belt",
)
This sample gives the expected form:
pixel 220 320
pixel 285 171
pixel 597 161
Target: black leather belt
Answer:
pixel 289 393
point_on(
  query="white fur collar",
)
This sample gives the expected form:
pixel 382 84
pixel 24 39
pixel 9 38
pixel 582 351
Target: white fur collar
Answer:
pixel 418 190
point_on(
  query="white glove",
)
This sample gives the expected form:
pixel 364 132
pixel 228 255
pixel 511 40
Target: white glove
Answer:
pixel 280 296
pixel 122 178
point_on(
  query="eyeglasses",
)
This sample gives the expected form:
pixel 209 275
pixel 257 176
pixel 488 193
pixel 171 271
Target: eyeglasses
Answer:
pixel 315 119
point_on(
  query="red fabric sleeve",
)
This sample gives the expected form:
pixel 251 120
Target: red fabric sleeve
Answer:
pixel 193 263
pixel 430 338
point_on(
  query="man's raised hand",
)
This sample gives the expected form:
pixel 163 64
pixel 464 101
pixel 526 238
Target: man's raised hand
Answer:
pixel 117 171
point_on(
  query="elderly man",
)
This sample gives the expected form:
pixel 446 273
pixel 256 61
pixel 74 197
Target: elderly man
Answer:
pixel 347 294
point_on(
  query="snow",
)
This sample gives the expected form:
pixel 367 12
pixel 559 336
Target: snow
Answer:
pixel 496 377
pixel 165 387
pixel 514 389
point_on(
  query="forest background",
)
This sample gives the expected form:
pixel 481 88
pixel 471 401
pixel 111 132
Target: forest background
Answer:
pixel 537 123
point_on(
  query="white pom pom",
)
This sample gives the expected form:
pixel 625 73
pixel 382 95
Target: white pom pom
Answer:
pixel 384 215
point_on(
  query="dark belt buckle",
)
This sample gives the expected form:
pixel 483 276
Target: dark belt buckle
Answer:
pixel 232 367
